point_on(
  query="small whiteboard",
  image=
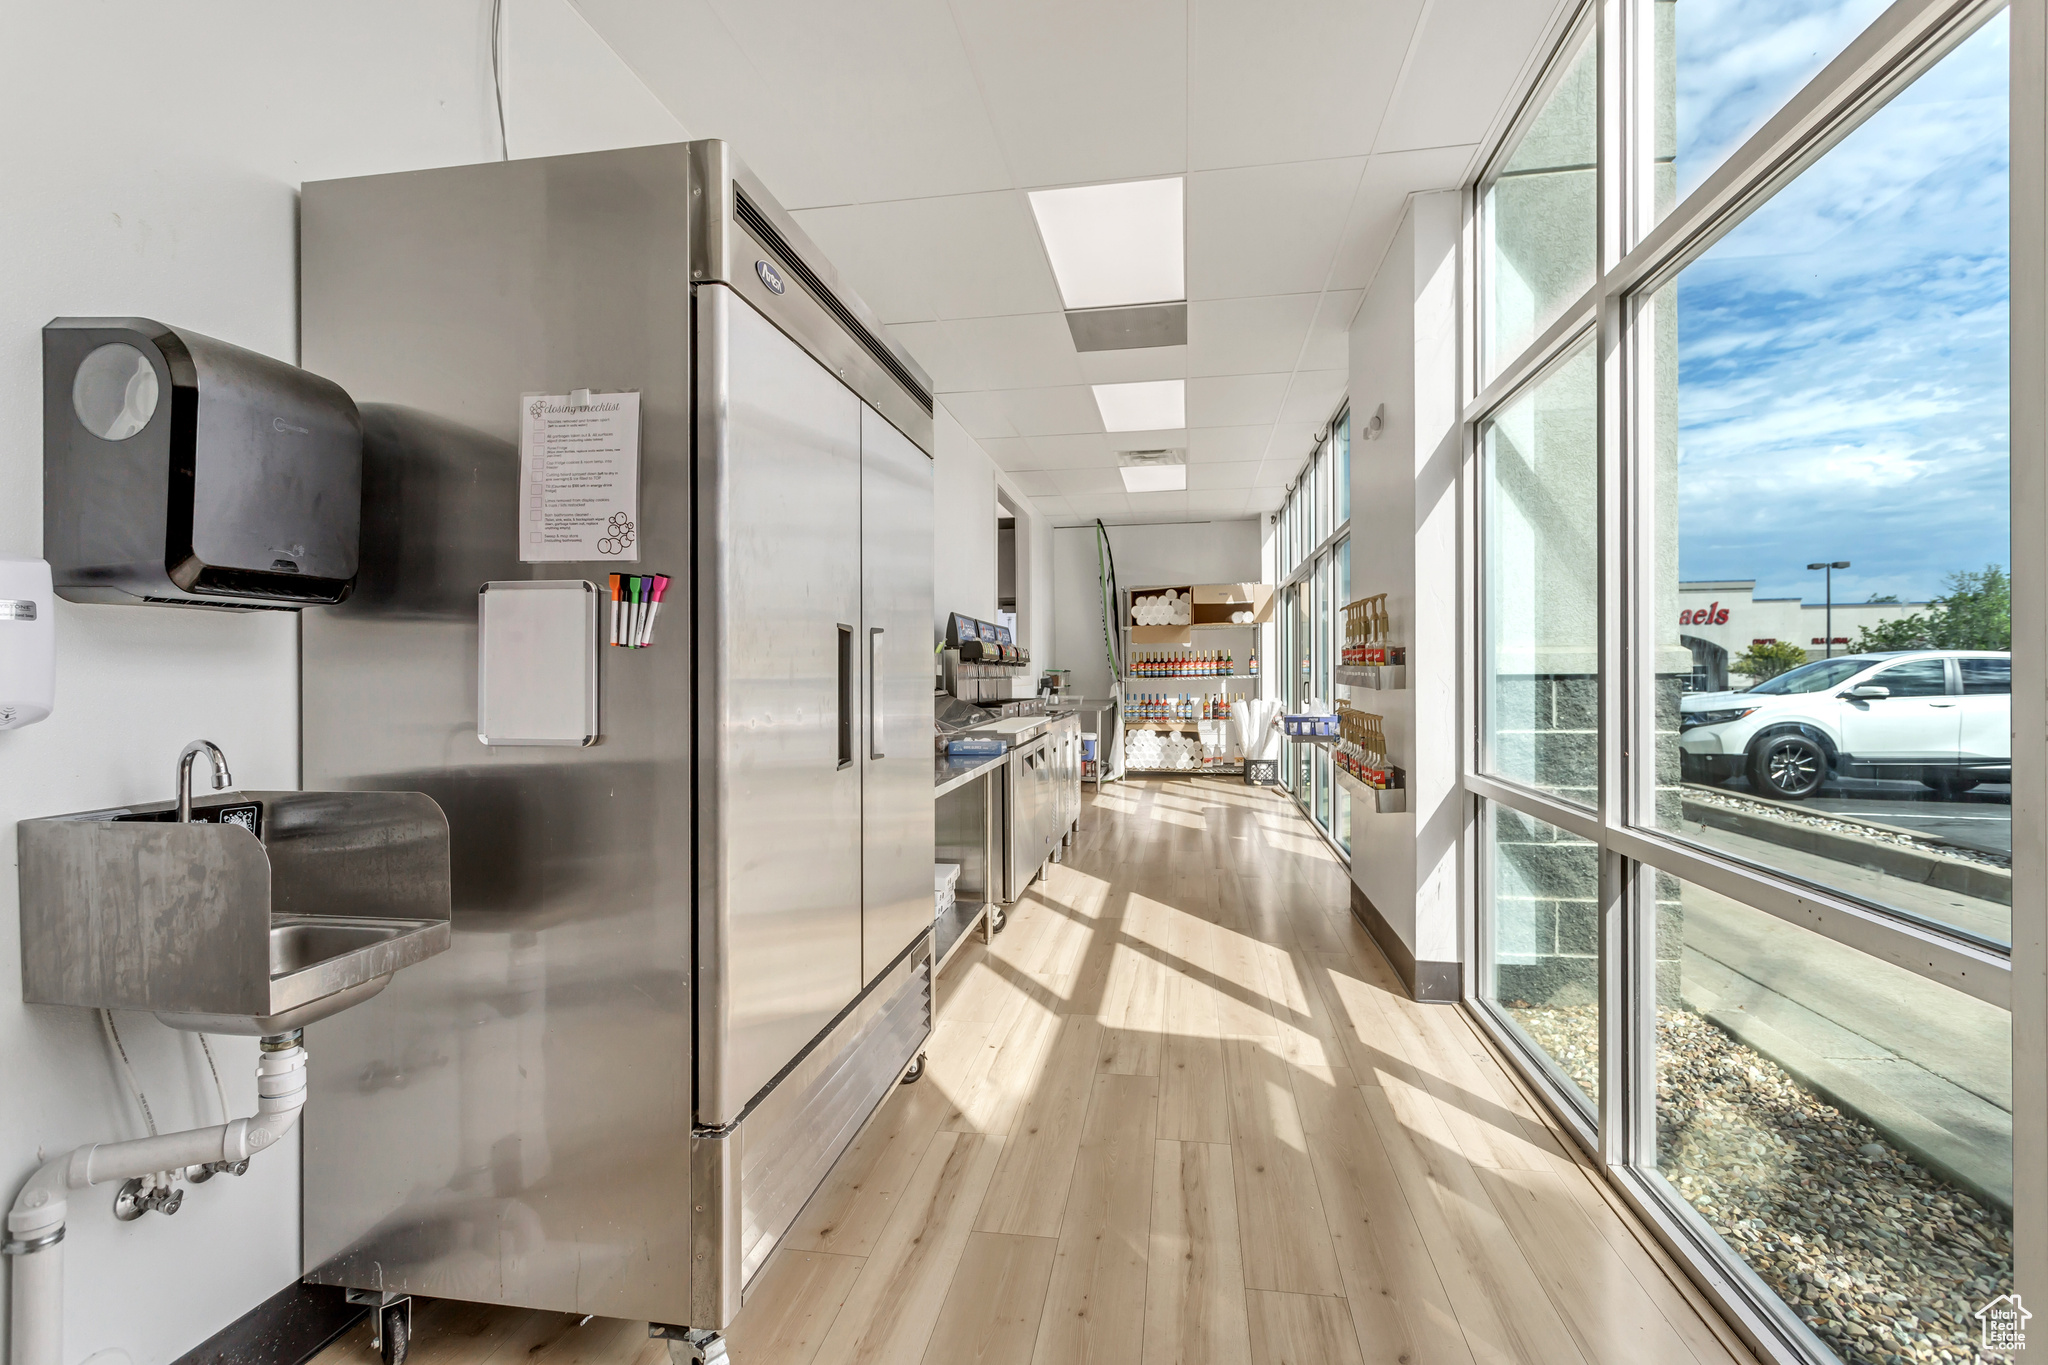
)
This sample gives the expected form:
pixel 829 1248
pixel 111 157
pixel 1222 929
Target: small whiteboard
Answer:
pixel 536 662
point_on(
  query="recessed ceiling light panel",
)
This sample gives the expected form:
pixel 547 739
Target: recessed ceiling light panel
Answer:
pixel 1154 405
pixel 1114 244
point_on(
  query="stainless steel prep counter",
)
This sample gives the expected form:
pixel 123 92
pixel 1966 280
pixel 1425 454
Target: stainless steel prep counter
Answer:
pixel 967 795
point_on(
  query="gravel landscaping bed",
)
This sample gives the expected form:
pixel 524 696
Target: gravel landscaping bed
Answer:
pixel 1883 1259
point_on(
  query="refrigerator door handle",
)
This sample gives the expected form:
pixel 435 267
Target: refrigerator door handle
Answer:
pixel 846 696
pixel 875 692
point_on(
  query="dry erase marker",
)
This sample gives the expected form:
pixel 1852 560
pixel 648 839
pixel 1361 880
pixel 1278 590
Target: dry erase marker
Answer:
pixel 640 586
pixel 615 608
pixel 653 609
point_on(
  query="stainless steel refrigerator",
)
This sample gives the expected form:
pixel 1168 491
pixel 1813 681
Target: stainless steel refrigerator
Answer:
pixel 691 955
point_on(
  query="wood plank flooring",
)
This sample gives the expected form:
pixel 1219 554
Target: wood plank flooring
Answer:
pixel 1182 1113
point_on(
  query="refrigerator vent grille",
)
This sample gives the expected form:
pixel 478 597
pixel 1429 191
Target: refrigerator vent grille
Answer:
pixel 757 223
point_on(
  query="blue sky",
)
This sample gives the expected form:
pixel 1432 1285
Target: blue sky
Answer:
pixel 1843 380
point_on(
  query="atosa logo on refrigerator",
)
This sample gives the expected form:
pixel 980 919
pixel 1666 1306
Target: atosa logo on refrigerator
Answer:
pixel 1712 614
pixel 770 276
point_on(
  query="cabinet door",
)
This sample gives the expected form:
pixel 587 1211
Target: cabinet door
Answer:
pixel 896 655
pixel 779 617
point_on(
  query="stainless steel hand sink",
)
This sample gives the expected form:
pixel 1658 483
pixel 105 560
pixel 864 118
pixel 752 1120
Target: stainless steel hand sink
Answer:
pixel 267 911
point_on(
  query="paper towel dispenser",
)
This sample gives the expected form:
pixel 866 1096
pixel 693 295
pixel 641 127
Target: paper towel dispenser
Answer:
pixel 182 470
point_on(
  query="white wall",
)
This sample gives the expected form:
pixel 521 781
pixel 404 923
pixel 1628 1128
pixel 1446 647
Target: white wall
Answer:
pixel 1146 555
pixel 152 163
pixel 1404 540
pixel 969 494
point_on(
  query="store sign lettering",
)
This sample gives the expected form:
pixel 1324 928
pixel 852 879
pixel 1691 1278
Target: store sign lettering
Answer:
pixel 1713 614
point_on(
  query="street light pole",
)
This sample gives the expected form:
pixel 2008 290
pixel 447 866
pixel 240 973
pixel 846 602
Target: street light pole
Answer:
pixel 1828 612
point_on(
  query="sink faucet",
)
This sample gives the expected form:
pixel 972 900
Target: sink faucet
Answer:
pixel 221 779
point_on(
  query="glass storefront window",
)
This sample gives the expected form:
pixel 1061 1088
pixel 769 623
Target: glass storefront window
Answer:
pixel 1540 593
pixel 1844 1125
pixel 1340 592
pixel 1832 471
pixel 1725 66
pixel 1542 968
pixel 1321 689
pixel 1343 444
pixel 1539 215
pixel 1299 680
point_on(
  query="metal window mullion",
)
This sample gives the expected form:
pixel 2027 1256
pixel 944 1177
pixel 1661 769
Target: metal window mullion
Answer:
pixel 1611 587
pixel 1556 339
pixel 1962 966
pixel 1576 821
pixel 2030 644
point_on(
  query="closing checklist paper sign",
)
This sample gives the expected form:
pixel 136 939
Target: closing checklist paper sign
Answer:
pixel 579 476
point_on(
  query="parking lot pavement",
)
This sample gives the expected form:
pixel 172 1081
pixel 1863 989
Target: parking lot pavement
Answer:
pixel 1979 819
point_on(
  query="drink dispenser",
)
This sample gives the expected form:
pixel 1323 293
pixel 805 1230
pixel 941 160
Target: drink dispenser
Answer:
pixel 183 470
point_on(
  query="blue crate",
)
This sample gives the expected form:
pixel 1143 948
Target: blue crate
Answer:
pixel 976 748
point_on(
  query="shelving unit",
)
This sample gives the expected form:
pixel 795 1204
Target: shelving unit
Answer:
pixel 1210 606
pixel 1367 628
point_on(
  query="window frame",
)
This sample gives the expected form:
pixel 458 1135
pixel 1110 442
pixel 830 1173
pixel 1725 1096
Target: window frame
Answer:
pixel 1306 562
pixel 1637 254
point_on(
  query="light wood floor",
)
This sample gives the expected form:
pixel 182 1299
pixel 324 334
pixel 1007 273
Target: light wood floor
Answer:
pixel 1181 1112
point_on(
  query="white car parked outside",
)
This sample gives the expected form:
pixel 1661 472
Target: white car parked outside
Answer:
pixel 1942 717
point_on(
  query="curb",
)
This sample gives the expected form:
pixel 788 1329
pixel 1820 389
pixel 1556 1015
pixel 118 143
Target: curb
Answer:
pixel 1906 863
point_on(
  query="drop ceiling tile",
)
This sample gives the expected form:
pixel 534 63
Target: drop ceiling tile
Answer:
pixel 884 89
pixel 1051 506
pixel 929 345
pixel 1454 87
pixel 983 412
pixel 1218 445
pixel 1209 478
pixel 1063 411
pixel 1069 452
pixel 1267 229
pixel 1036 483
pixel 1248 336
pixel 869 260
pixel 1293 443
pixel 975 255
pixel 1161 505
pixel 1312 78
pixel 1058 75
pixel 1010 453
pixel 1032 350
pixel 1135 365
pixel 1382 198
pixel 1276 473
pixel 1314 396
pixel 1235 400
pixel 1107 506
pixel 1087 482
pixel 1228 502
pixel 1329 336
pixel 1263 500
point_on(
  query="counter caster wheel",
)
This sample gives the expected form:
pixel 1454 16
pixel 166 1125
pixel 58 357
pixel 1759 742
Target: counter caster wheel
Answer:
pixel 394 1332
pixel 916 1071
pixel 691 1346
pixel 998 921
